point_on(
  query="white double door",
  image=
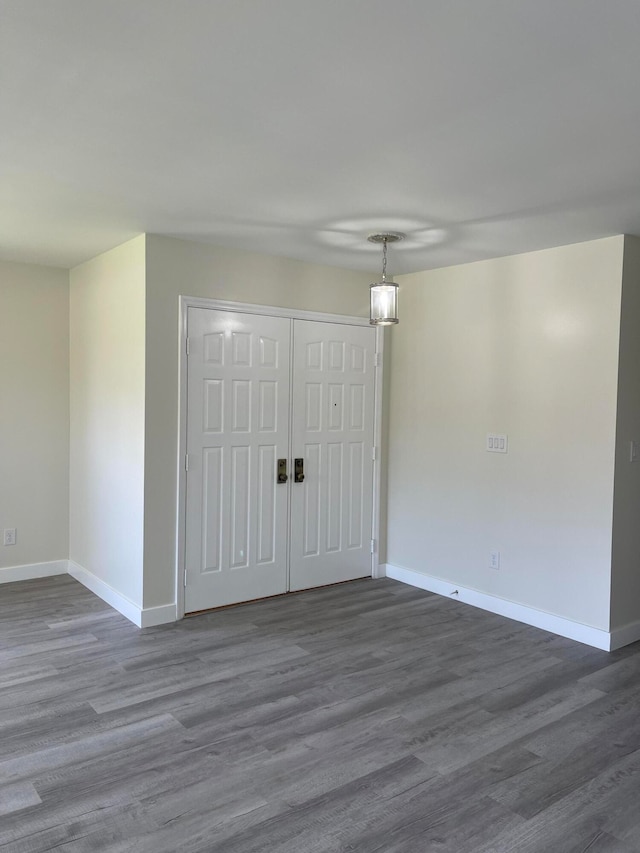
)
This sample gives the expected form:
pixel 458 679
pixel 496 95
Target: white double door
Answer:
pixel 261 393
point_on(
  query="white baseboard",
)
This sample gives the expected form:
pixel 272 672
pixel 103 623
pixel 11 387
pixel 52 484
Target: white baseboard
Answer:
pixel 107 593
pixel 146 617
pixel 152 616
pixel 595 637
pixel 31 571
pixel 141 617
pixel 625 635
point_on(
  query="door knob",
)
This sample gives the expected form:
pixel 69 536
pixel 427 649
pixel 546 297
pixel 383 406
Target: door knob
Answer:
pixel 298 470
pixel 282 471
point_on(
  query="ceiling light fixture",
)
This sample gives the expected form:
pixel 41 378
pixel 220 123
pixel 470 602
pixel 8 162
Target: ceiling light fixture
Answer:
pixel 384 294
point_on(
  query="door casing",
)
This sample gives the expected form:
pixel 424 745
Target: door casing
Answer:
pixel 186 302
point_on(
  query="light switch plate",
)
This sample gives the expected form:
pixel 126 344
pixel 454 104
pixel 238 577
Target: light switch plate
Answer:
pixel 497 442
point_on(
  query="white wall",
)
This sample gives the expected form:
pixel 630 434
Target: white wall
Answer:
pixel 528 346
pixel 107 361
pixel 34 412
pixel 179 267
pixel 625 581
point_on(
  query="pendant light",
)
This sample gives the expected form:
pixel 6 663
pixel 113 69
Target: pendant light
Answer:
pixel 384 293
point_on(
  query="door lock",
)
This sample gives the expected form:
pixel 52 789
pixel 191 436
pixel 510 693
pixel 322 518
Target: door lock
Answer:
pixel 298 470
pixel 282 471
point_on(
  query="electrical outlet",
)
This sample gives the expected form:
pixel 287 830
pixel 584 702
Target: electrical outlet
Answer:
pixel 494 560
pixel 10 536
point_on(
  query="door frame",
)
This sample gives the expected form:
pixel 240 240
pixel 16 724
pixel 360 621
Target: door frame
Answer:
pixel 186 302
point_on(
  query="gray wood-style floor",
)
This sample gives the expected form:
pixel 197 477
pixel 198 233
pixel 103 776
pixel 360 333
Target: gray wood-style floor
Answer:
pixel 364 717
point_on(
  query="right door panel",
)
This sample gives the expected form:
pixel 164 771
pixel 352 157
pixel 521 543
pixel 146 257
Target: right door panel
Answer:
pixel 332 432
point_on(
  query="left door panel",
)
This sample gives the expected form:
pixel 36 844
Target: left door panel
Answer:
pixel 237 429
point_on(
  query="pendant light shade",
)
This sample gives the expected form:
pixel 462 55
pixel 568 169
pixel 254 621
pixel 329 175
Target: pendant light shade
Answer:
pixel 383 300
pixel 384 303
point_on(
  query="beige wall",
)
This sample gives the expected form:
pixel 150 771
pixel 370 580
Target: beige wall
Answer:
pixel 107 314
pixel 179 267
pixel 625 579
pixel 528 346
pixel 34 412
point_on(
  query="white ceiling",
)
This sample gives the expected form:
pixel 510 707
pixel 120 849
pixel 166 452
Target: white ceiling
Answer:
pixel 296 127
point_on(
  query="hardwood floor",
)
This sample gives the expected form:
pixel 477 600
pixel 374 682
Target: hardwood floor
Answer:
pixel 365 717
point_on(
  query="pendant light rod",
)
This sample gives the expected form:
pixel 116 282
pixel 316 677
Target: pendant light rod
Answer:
pixel 384 260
